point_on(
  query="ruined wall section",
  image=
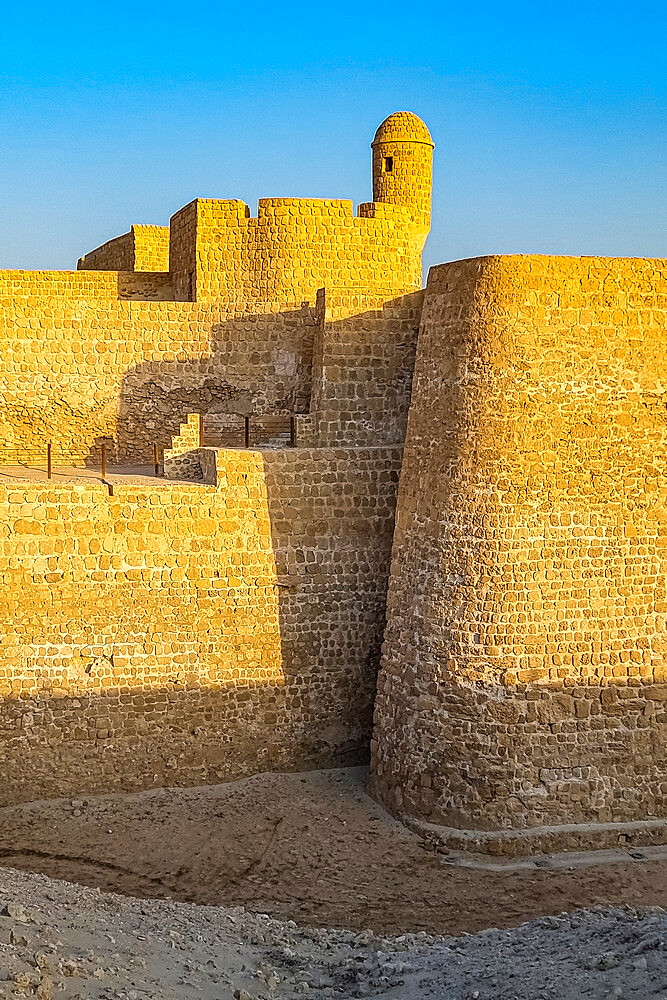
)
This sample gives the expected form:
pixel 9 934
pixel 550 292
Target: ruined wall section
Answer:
pixel 92 356
pixel 144 248
pixel 524 677
pixel 180 634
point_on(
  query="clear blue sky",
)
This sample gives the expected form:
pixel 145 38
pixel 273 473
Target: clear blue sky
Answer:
pixel 549 118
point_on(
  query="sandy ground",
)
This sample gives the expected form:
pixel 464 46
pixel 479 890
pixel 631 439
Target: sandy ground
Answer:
pixel 310 847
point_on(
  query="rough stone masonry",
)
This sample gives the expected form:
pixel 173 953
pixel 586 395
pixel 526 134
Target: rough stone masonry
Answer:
pixel 229 618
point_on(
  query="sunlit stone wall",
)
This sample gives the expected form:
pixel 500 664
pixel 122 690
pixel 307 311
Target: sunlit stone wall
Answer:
pixel 524 677
pixel 177 634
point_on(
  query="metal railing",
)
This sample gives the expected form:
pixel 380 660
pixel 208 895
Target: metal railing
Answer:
pixel 103 460
pixel 237 431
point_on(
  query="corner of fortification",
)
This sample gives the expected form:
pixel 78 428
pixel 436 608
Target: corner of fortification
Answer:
pixel 275 361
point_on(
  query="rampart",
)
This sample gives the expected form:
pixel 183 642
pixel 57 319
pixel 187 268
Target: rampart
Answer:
pixel 174 632
pixel 86 360
pixel 144 248
pixel 122 350
pixel 524 680
pixel 178 633
pixel 293 247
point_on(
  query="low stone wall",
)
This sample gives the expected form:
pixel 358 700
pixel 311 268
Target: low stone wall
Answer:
pixel 179 633
pixel 144 248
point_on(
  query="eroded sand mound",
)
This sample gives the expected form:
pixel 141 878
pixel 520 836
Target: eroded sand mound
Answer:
pixel 309 847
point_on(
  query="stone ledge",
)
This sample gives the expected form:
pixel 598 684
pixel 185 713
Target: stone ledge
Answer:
pixel 540 839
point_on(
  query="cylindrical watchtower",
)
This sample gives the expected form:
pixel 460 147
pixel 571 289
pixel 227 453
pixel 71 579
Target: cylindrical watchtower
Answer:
pixel 403 165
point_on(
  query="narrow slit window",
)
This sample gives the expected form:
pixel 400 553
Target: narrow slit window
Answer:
pixel 387 164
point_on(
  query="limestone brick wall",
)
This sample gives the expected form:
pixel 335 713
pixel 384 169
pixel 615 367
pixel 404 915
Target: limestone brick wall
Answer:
pixel 144 248
pixel 524 678
pixel 216 315
pixel 114 255
pixel 183 252
pixel 92 356
pixel 151 248
pixel 291 249
pixel 181 633
pixel 122 357
pixel 403 165
pixel 363 360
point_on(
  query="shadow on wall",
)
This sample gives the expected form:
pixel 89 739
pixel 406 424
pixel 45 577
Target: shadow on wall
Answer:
pixel 177 633
pixel 354 372
pixel 182 634
pixel 257 364
pixel 356 369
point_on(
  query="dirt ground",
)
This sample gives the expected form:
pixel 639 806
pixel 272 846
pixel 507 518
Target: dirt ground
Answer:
pixel 143 475
pixel 310 847
pixel 60 941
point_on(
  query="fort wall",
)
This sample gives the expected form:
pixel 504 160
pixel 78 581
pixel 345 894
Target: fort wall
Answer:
pixel 177 633
pixel 363 358
pixel 524 676
pixel 216 315
pixel 93 356
pixel 144 248
pixel 291 249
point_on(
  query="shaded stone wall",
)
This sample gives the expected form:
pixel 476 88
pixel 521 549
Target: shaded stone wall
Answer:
pixel 524 678
pixel 105 356
pixel 92 356
pixel 95 356
pixel 215 315
pixel 363 360
pixel 177 634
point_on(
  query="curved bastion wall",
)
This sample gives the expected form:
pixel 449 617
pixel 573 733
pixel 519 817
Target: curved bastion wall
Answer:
pixel 524 680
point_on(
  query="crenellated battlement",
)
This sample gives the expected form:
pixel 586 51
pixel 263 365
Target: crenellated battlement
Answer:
pixel 216 250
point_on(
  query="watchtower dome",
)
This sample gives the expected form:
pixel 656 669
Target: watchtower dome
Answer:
pixel 403 165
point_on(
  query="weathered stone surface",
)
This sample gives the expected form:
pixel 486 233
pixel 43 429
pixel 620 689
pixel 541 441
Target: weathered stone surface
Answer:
pixel 183 633
pixel 526 628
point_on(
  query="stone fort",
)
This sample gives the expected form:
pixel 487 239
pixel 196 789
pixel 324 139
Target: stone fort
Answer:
pixel 425 521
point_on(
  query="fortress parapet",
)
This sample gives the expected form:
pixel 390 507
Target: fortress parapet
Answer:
pixel 216 251
pixel 143 248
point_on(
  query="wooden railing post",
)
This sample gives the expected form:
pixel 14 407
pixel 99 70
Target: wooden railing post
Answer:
pixel 201 430
pixel 156 459
pixel 246 431
pixel 48 460
pixel 292 431
pixel 104 461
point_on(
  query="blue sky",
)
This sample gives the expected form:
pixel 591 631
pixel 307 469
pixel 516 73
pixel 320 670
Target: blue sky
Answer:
pixel 549 119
